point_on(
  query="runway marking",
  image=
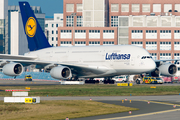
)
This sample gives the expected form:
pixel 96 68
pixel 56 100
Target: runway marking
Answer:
pixel 164 103
pixel 146 114
pixel 140 115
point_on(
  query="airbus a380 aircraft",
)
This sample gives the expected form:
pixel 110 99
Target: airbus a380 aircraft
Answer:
pixel 87 62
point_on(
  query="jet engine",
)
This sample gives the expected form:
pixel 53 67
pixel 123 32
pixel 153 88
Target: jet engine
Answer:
pixel 13 69
pixel 168 69
pixel 61 72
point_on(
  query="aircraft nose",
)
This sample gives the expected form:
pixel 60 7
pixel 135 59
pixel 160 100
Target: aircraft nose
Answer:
pixel 150 65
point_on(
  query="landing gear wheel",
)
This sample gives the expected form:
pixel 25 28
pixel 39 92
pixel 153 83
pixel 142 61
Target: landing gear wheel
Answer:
pixel 137 81
pixel 75 78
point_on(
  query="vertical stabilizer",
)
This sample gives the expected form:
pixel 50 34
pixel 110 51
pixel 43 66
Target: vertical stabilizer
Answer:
pixel 35 36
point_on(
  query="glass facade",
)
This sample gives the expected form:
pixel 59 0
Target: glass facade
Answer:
pixel 69 21
pixel 94 13
pixel 114 21
pixel 7 34
pixel 79 21
pixel 123 30
pixel 2 32
pixel 1 22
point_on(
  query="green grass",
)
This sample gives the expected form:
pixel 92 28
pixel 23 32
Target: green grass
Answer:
pixel 57 110
pixel 95 90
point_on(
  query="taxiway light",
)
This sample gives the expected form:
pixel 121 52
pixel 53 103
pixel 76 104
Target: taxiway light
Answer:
pixel 174 106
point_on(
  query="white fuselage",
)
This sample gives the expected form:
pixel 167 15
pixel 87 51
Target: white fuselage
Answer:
pixel 112 60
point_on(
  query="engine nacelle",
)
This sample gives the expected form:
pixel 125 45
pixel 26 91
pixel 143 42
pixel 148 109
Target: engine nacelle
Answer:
pixel 61 72
pixel 168 69
pixel 13 69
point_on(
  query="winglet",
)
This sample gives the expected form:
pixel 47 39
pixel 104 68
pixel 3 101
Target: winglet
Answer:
pixel 33 31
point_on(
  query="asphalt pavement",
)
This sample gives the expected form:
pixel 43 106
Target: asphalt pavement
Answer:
pixel 146 111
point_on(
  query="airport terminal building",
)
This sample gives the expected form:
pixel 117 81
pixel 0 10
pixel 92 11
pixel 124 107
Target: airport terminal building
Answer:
pixel 153 25
pixel 51 28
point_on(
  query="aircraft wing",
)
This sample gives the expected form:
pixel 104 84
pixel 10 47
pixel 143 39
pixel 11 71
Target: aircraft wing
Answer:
pixel 24 62
pixel 159 62
pixel 6 58
pixel 17 57
pixel 167 60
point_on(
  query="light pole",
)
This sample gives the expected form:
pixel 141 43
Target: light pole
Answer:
pixel 73 14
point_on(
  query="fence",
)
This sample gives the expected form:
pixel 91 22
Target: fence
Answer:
pixel 35 76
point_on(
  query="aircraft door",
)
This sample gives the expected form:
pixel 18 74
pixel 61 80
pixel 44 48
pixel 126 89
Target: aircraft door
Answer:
pixel 48 55
pixel 51 56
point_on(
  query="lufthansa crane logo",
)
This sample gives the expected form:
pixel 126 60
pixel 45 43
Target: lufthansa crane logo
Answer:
pixel 31 27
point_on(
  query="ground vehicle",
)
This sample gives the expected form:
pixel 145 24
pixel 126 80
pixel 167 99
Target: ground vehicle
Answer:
pixel 149 80
pixel 28 78
pixel 171 79
pixel 122 78
pixel 159 80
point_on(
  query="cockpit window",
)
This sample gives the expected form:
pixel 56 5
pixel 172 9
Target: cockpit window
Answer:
pixel 146 57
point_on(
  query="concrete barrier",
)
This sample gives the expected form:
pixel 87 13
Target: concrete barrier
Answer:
pixel 124 84
pixel 21 99
pixel 72 82
pixel 20 94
